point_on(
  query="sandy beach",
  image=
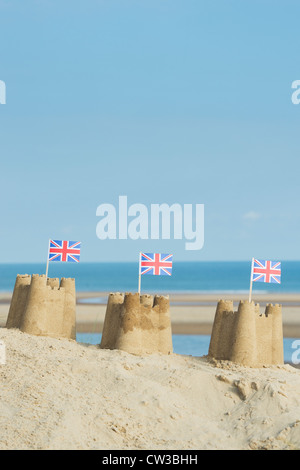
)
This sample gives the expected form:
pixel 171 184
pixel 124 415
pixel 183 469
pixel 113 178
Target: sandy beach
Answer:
pixel 190 313
pixel 58 394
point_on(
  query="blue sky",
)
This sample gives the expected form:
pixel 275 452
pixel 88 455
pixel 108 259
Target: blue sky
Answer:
pixel 163 101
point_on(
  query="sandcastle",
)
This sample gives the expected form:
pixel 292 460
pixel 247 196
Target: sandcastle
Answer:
pixel 137 324
pixel 43 307
pixel 246 337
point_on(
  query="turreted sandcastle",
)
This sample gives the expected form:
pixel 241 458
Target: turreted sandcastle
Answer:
pixel 137 324
pixel 43 307
pixel 246 337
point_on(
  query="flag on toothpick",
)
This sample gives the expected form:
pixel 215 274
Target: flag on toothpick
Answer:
pixel 264 271
pixel 156 264
pixel 62 250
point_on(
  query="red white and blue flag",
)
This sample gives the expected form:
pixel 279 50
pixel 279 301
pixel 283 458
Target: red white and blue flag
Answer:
pixel 266 271
pixel 156 264
pixel 62 250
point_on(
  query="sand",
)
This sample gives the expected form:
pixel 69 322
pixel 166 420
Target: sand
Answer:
pixel 58 394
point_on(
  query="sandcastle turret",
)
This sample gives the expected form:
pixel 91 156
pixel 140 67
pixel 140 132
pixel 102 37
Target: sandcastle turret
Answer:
pixel 137 324
pixel 246 337
pixel 45 307
pixel 146 300
pixel 219 345
pixel 53 282
pixel 275 312
pixel 69 316
pixel 43 314
pixel 111 324
pixel 244 348
pixel 161 307
pixel 18 301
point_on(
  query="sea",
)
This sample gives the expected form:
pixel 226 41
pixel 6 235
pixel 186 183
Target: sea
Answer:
pixel 187 277
pixel 190 277
pixel 197 345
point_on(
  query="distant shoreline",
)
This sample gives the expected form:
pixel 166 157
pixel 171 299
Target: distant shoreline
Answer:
pixel 200 298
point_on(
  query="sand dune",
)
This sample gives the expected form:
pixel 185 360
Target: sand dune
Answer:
pixel 58 394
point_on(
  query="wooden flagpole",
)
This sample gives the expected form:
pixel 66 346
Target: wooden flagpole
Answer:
pixel 140 274
pixel 251 280
pixel 47 267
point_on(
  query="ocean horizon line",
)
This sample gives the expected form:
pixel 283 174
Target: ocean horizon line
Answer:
pixel 180 291
pixel 30 263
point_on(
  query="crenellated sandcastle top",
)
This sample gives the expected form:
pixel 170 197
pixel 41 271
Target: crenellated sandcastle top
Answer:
pixel 137 324
pixel 245 336
pixel 43 306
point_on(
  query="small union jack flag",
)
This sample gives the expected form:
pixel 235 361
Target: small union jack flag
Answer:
pixel 62 250
pixel 159 264
pixel 266 271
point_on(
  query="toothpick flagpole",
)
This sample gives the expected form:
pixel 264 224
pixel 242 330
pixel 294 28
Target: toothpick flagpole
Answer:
pixel 47 267
pixel 251 280
pixel 140 274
